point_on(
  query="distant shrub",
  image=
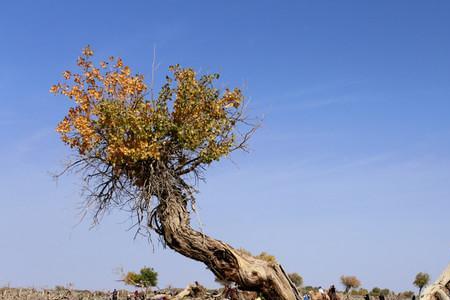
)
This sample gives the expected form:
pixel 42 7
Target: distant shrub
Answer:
pixel 421 280
pixel 263 255
pixel 245 251
pixel 307 289
pixel 296 279
pixel 359 292
pixel 147 277
pixel 406 294
pixel 267 257
pixel 375 292
pixel 350 282
pixel 385 292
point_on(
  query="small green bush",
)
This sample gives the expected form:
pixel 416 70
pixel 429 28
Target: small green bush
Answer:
pixel 147 277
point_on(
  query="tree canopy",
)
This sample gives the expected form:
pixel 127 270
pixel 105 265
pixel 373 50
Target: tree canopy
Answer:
pixel 131 147
pixel 350 282
pixel 421 280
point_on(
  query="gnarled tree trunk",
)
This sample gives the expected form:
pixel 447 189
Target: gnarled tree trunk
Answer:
pixel 440 290
pixel 248 272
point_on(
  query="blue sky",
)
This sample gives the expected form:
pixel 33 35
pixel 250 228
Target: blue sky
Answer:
pixel 349 174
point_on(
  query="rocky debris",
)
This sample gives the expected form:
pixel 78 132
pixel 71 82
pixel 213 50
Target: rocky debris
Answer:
pixel 193 291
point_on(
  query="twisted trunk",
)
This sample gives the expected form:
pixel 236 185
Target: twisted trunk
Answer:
pixel 227 263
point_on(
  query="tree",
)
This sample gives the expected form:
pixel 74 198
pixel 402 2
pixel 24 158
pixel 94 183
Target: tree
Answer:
pixel 359 292
pixel 350 282
pixel 421 280
pixel 296 279
pixel 147 277
pixel 375 292
pixel 385 292
pixel 145 154
pixel 407 294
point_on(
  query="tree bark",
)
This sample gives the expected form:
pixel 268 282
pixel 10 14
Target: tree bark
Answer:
pixel 227 263
pixel 440 290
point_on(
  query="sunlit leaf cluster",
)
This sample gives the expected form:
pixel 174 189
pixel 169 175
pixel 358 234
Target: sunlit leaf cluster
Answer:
pixel 189 123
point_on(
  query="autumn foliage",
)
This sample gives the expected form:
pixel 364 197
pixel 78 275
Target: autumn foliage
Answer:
pixel 112 118
pixel 135 146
